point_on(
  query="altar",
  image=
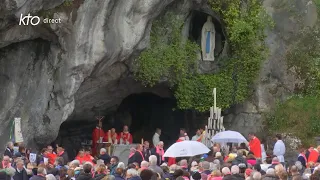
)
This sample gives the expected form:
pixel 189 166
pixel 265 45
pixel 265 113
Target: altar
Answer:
pixel 122 151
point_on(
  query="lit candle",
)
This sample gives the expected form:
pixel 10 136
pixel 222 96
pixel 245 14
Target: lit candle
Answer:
pixel 141 140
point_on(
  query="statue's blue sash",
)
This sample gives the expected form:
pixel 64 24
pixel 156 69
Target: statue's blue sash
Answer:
pixel 208 42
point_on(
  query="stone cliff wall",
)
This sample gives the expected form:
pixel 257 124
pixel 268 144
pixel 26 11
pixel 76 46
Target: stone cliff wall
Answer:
pixel 40 79
pixel 276 81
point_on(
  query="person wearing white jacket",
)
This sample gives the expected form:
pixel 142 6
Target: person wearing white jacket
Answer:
pixel 279 148
pixel 156 137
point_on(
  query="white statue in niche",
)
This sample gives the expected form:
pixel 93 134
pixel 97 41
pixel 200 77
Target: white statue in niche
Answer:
pixel 208 40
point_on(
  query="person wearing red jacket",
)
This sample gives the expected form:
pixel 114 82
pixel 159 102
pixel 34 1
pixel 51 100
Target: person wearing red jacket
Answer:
pixel 125 136
pixel 255 145
pixel 312 155
pixel 51 156
pixel 112 136
pixel 97 136
pixel 83 157
pixel 172 160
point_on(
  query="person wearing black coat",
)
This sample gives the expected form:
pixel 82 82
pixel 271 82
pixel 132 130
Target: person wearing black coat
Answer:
pixel 146 150
pixel 99 176
pixel 138 156
pixel 62 153
pixel 21 173
pixel 9 150
pixel 104 156
pixel 86 173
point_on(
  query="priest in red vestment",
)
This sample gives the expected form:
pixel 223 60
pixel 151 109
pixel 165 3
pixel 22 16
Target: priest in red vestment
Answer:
pixel 255 145
pixel 97 136
pixel 112 136
pixel 172 160
pixel 83 157
pixel 125 136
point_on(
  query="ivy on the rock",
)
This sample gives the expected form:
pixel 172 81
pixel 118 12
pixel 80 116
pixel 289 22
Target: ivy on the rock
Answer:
pixel 298 116
pixel 168 59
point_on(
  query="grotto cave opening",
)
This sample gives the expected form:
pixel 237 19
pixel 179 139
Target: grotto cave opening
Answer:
pixel 143 113
pixel 197 21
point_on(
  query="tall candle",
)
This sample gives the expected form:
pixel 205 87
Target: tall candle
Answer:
pixel 215 97
pixel 211 112
pixel 222 122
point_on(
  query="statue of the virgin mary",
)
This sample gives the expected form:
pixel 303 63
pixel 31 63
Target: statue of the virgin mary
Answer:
pixel 208 40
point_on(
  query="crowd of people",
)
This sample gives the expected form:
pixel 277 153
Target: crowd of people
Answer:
pixel 244 162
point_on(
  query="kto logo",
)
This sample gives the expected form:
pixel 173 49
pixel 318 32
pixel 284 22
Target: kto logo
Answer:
pixel 35 20
pixel 25 20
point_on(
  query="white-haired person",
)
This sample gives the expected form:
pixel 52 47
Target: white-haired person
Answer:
pixel 21 173
pixel 9 150
pixel 153 165
pixel 132 174
pixel 104 156
pixel 121 165
pixel 50 177
pixel 226 173
pixel 144 165
pixel 235 172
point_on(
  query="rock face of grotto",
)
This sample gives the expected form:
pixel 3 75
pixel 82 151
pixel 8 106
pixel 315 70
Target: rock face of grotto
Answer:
pixel 54 73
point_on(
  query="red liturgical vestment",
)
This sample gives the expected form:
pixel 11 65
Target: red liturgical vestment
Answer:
pixel 125 138
pixel 96 134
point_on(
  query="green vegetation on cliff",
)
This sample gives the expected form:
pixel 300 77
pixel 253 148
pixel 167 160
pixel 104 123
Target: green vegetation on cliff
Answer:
pixel 168 58
pixel 300 114
pixel 245 25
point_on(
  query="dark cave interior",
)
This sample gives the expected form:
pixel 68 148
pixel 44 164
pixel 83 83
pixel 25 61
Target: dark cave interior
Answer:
pixel 143 113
